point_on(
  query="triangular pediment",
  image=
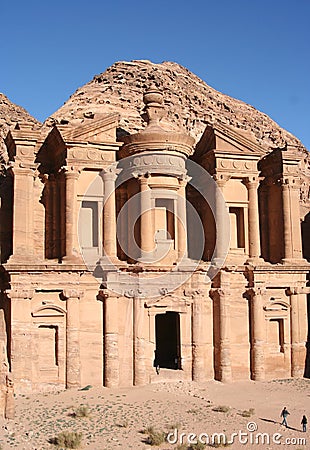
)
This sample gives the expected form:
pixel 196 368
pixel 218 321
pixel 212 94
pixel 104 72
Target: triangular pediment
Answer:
pixel 227 140
pixel 101 128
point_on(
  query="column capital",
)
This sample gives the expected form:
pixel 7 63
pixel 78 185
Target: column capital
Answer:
pixel 110 173
pixel 184 180
pixel 290 182
pixel 256 291
pixel 71 172
pixel 142 177
pixel 252 182
pixel 296 290
pixel 23 293
pixel 134 293
pixel 24 169
pixel 103 294
pixel 72 293
pixel 221 178
pixel 218 293
pixel 193 293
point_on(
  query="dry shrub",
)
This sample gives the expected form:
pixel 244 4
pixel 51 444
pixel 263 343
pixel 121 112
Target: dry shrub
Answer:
pixel 68 439
pixel 221 408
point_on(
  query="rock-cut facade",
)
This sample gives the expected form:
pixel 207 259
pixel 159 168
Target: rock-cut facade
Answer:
pixel 132 258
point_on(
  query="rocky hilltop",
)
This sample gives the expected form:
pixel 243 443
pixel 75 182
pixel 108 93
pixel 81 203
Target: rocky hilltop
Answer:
pixel 10 115
pixel 190 103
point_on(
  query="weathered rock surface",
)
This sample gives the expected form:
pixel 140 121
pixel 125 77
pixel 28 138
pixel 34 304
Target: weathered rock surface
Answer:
pixel 190 102
pixel 10 115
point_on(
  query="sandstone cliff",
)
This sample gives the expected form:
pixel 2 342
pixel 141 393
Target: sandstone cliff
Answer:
pixel 10 115
pixel 190 102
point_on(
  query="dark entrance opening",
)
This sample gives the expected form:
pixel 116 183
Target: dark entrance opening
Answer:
pixel 168 349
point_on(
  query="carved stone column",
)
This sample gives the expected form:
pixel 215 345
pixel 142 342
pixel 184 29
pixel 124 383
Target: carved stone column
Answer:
pixel 222 230
pixel 73 376
pixel 72 244
pixel 146 220
pixel 258 327
pixel 201 326
pixel 291 221
pixel 21 337
pixel 139 370
pixel 181 216
pixel 7 402
pixel 54 215
pixel 23 220
pixel 254 236
pixel 109 176
pixel 298 303
pixel 122 226
pixel 111 353
pixel 224 369
pixel 264 190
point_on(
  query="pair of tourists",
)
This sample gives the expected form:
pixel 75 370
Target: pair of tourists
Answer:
pixel 285 413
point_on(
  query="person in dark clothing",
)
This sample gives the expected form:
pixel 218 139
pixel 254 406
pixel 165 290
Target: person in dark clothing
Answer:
pixel 304 422
pixel 284 414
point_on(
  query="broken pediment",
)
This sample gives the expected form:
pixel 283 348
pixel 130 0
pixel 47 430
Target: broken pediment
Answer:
pixel 227 140
pixel 97 128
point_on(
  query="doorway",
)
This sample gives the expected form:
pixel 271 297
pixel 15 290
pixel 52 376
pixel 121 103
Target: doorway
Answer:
pixel 168 348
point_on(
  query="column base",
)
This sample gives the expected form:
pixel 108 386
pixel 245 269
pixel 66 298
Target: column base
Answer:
pixel 110 263
pixel 73 259
pixel 255 261
pixel 23 260
pixel 295 261
pixel 186 264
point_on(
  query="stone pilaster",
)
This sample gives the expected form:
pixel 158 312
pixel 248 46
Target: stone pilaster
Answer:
pixel 109 176
pixel 222 230
pixel 258 327
pixel 53 211
pixel 291 221
pixel 21 337
pixel 264 221
pixel 181 216
pixel 122 226
pixel 72 244
pixel 201 339
pixel 298 302
pixel 252 184
pixel 146 220
pixel 223 298
pixel 111 352
pixel 6 385
pixel 139 370
pixel 73 375
pixel 23 220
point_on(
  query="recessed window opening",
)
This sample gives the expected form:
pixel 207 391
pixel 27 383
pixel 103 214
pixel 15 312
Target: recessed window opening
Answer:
pixel 48 345
pixel 277 333
pixel 168 225
pixel 88 232
pixel 237 235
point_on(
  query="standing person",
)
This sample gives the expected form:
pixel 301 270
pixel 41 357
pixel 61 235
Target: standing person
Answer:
pixel 284 414
pixel 304 422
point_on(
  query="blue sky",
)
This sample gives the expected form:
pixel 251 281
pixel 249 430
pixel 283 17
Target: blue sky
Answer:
pixel 257 51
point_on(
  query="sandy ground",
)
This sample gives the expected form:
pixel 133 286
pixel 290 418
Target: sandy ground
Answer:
pixel 117 416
